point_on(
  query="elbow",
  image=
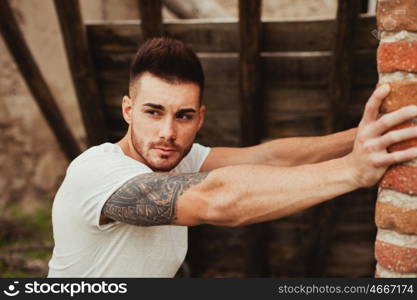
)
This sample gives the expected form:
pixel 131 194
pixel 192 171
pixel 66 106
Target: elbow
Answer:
pixel 222 210
pixel 219 200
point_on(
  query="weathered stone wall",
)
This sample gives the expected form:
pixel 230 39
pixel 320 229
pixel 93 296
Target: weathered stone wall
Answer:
pixel 31 163
pixel 396 207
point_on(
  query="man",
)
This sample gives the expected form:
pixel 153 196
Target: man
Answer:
pixel 123 209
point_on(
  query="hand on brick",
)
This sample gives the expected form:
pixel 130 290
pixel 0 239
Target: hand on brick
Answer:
pixel 370 157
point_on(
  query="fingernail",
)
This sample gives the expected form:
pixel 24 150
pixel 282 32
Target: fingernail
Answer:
pixel 385 88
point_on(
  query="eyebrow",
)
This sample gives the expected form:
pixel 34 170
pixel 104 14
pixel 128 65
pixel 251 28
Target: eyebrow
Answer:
pixel 186 110
pixel 160 107
pixel 156 106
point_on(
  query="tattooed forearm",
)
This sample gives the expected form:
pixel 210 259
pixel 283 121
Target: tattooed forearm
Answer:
pixel 150 199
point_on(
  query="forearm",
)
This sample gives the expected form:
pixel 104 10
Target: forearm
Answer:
pixel 296 151
pixel 335 145
pixel 245 194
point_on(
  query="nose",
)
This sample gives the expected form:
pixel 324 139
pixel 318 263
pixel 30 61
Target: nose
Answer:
pixel 168 130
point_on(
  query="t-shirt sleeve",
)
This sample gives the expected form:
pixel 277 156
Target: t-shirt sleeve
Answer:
pixel 197 156
pixel 94 179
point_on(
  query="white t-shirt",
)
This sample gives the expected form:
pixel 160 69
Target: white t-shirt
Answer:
pixel 83 248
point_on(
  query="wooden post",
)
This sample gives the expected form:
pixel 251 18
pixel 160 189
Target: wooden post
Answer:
pixel 250 71
pixel 396 206
pixel 342 64
pixel 340 95
pixel 195 9
pixel 250 117
pixel 85 85
pixel 15 42
pixel 364 6
pixel 151 18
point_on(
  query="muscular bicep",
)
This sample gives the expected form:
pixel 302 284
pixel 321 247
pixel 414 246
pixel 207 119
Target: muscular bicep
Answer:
pixel 151 199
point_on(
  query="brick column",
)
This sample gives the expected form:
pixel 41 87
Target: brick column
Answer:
pixel 396 207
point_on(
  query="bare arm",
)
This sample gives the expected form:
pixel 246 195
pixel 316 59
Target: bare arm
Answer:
pixel 291 151
pixel 244 194
pixel 294 151
pixel 149 199
pixel 230 196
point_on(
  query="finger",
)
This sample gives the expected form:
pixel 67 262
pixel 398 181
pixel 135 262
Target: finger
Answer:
pixel 389 120
pixel 396 136
pixel 372 106
pixel 387 159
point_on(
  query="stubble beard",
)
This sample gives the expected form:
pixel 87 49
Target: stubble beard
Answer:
pixel 139 148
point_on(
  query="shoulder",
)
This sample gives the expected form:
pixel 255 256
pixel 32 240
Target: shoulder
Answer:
pixel 104 160
pixel 105 149
pixel 92 178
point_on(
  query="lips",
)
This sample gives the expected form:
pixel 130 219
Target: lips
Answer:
pixel 165 151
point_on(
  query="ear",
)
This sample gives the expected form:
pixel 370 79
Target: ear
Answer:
pixel 202 113
pixel 127 108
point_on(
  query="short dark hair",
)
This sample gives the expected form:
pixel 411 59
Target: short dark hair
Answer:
pixel 168 59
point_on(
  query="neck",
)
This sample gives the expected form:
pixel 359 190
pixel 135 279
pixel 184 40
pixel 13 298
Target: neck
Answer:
pixel 127 147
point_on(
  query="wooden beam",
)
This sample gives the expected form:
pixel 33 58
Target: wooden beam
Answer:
pixel 364 6
pixel 340 96
pixel 250 70
pixel 342 63
pixel 24 60
pixel 250 118
pixel 222 35
pixel 151 17
pixel 83 77
pixel 277 71
pixel 195 9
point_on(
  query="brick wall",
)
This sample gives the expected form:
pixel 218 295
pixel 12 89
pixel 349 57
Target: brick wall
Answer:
pixel 396 207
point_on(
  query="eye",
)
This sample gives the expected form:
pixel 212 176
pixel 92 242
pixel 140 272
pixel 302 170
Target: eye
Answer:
pixel 152 112
pixel 184 117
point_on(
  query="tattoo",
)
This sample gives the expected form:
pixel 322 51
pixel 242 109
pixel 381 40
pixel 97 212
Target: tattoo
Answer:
pixel 150 199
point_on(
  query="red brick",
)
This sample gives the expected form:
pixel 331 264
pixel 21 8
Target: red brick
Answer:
pixel 400 219
pixel 397 56
pixel 402 93
pixel 381 272
pixel 401 178
pixel 396 258
pixel 404 144
pixel 397 15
